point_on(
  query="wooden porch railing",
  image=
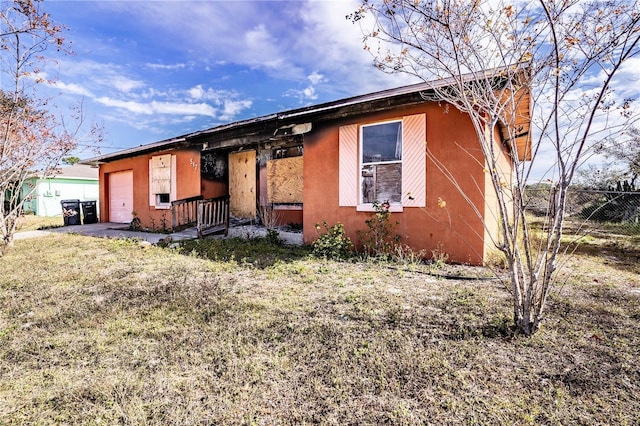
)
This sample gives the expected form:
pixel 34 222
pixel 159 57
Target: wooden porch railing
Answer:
pixel 213 215
pixel 184 213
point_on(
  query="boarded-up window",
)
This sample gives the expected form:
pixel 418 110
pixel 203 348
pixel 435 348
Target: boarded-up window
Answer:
pixel 285 181
pixel 161 174
pixel 162 181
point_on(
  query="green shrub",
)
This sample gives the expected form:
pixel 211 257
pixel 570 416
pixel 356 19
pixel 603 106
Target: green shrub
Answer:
pixel 273 237
pixel 333 244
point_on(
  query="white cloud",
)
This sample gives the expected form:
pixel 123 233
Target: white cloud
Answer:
pixel 286 41
pixel 233 108
pixel 315 77
pixel 125 84
pixel 166 67
pixel 628 79
pixel 72 88
pixel 100 76
pixel 135 107
pixel 310 93
pixel 156 107
pixel 196 92
pixel 334 46
pixel 183 108
pixel 259 39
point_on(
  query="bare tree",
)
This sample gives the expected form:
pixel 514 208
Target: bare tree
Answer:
pixel 557 60
pixel 32 140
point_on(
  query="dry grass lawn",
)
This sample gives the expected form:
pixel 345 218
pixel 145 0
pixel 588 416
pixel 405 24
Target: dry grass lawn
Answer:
pixel 96 331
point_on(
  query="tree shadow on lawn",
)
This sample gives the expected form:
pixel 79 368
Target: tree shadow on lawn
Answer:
pixel 617 248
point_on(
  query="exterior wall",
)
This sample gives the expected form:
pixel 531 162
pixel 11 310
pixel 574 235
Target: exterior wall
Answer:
pixel 492 210
pixel 288 216
pixel 213 189
pixel 187 183
pixel 447 223
pixel 45 200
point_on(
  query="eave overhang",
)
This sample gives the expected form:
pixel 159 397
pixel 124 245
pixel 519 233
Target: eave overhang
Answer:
pixel 165 145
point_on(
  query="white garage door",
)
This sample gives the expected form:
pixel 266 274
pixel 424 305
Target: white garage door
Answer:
pixel 121 197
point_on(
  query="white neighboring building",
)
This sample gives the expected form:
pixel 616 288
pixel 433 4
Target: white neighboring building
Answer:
pixel 77 182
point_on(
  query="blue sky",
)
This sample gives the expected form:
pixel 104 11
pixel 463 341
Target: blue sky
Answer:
pixel 151 70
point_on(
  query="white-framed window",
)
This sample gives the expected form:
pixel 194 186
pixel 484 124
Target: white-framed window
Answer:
pixel 163 200
pixel 162 181
pixel 383 161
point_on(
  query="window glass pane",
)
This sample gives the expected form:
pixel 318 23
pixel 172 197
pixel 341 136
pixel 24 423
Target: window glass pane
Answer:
pixel 163 199
pixel 382 142
pixel 382 183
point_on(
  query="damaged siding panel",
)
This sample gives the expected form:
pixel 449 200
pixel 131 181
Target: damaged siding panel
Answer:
pixel 285 180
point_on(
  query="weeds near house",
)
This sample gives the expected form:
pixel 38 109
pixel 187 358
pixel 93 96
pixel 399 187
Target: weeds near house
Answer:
pixel 439 257
pixel 164 222
pixel 379 239
pixel 268 216
pixel 257 252
pixel 97 331
pixel 164 227
pixel 135 224
pixel 273 237
pixel 333 243
pixel 407 256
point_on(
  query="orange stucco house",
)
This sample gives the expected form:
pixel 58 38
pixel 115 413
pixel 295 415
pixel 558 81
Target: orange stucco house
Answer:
pixel 327 162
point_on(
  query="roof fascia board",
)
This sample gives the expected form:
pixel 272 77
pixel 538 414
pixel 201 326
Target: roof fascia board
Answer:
pixel 139 150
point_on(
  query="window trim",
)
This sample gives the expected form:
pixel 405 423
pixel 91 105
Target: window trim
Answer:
pixel 395 206
pixel 414 164
pixel 160 204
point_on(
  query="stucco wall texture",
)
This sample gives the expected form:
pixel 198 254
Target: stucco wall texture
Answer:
pixel 187 185
pixel 447 223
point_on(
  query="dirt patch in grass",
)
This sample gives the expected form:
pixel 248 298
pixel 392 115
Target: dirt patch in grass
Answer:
pixel 113 332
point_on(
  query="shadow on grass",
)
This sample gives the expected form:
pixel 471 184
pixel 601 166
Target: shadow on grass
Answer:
pixel 258 252
pixel 622 254
pixel 618 244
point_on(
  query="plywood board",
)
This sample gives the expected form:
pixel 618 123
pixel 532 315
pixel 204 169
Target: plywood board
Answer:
pixel 285 180
pixel 242 184
pixel 161 174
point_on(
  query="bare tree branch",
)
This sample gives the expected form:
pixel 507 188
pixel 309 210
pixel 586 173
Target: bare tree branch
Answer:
pixel 557 61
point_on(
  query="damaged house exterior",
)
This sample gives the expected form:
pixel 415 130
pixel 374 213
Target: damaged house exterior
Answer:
pixel 324 163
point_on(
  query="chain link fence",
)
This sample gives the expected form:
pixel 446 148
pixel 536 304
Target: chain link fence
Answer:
pixel 619 211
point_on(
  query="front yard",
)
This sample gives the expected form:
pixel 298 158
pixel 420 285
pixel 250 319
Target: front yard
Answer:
pixel 96 331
